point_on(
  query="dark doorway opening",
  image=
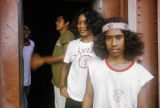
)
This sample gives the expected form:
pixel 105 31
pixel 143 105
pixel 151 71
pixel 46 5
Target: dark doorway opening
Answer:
pixel 41 17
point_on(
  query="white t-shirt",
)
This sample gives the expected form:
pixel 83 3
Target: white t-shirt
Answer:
pixel 27 54
pixel 78 53
pixel 114 89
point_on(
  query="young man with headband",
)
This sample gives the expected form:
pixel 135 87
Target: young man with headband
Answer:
pixel 115 80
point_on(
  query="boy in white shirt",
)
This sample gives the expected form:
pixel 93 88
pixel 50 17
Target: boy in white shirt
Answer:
pixel 115 80
pixel 87 24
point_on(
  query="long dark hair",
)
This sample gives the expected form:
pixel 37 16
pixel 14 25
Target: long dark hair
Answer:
pixel 93 19
pixel 133 43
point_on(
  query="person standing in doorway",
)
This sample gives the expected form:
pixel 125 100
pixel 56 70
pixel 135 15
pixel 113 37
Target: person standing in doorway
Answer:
pixel 115 79
pixel 56 60
pixel 86 25
pixel 28 48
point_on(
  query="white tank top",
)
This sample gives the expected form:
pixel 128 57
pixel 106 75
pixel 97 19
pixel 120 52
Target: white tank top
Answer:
pixel 116 89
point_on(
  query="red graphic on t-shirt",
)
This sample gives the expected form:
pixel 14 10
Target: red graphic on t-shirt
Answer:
pixel 83 61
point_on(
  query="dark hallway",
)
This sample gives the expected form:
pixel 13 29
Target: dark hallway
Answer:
pixel 41 16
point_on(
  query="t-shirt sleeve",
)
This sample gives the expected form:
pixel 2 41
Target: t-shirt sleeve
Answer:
pixel 67 37
pixel 67 57
pixel 146 76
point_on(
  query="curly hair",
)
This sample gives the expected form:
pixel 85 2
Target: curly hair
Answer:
pixel 133 43
pixel 93 19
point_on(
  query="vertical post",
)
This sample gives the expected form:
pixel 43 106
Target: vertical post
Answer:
pixel 147 26
pixel 9 55
pixel 132 14
pixel 158 18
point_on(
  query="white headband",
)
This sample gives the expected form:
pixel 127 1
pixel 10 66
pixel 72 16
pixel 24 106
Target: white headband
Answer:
pixel 115 25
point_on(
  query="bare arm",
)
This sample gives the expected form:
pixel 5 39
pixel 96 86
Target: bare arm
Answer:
pixel 38 60
pixel 55 59
pixel 88 98
pixel 64 74
pixel 142 97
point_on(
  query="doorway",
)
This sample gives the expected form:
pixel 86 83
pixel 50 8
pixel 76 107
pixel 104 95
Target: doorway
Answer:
pixel 40 17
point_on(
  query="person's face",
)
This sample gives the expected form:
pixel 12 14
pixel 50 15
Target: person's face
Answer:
pixel 82 26
pixel 26 32
pixel 60 23
pixel 115 43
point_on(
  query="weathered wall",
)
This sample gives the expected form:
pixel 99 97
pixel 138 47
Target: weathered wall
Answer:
pixel 9 54
pixel 147 26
